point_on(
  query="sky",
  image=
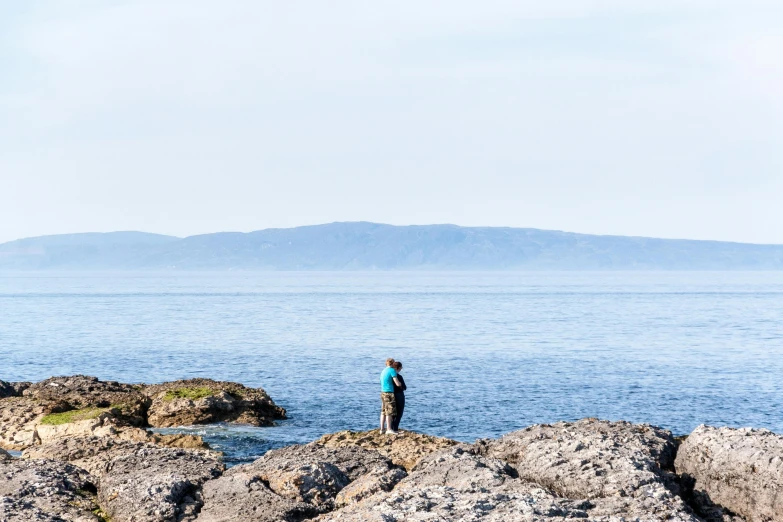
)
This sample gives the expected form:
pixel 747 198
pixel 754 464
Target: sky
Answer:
pixel 183 117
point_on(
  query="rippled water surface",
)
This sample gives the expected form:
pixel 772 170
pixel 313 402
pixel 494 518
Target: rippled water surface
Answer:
pixel 484 353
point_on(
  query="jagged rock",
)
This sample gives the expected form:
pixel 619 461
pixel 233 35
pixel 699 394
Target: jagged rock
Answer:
pixel 92 454
pixel 95 454
pixel 295 481
pixel 240 494
pixel 12 389
pixel 154 484
pixel 457 484
pixel 4 455
pixel 178 440
pixel 82 406
pixel 137 481
pixel 740 470
pixel 589 458
pixel 204 401
pixel 379 479
pixel 79 392
pixel 623 467
pixel 404 449
pixel 41 490
pixel 104 425
pixel 19 417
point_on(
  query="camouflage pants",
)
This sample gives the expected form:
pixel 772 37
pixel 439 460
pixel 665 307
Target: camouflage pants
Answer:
pixel 388 404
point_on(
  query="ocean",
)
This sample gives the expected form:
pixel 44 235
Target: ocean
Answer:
pixel 484 353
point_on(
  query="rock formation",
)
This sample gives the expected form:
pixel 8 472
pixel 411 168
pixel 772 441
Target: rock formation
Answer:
pixel 204 401
pixel 45 490
pixel 12 389
pixel 88 458
pixel 78 393
pixel 293 482
pixel 740 470
pixel 590 458
pixel 82 406
pixel 559 472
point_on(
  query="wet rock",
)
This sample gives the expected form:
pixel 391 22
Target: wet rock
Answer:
pixel 204 401
pixel 590 458
pixel 404 449
pixel 740 470
pixel 40 490
pixel 289 483
pixel 82 392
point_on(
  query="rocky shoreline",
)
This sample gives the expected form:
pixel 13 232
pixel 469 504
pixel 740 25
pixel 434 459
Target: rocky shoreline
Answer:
pixel 88 456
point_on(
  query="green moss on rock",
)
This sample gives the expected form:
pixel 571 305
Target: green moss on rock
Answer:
pixel 193 394
pixel 56 419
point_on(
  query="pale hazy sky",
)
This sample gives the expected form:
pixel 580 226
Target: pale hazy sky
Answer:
pixel 629 117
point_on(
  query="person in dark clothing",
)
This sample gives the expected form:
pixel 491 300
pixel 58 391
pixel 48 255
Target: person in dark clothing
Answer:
pixel 399 396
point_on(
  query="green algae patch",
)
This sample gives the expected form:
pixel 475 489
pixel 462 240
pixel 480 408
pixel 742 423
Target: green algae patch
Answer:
pixel 193 394
pixel 66 417
pixel 102 516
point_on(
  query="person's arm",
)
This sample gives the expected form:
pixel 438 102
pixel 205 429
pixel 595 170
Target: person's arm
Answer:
pixel 402 382
pixel 397 381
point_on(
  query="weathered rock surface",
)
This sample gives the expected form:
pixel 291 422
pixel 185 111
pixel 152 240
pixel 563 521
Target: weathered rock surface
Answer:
pixel 181 403
pixel 19 417
pixel 240 494
pixel 457 484
pixel 40 490
pixel 82 406
pixel 78 392
pixel 377 480
pixel 290 483
pixel 95 453
pixel 404 449
pixel 138 481
pixel 4 455
pixel 106 407
pixel 740 470
pixel 153 484
pixel 12 389
pixel 589 458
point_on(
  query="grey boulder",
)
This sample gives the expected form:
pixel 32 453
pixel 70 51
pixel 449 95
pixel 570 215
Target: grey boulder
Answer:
pixel 734 471
pixel 290 483
pixel 41 490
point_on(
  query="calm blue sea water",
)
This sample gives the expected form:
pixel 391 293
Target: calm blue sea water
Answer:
pixel 484 353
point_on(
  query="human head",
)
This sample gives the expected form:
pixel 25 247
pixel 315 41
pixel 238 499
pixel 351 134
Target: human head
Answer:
pixel 398 366
pixel 389 362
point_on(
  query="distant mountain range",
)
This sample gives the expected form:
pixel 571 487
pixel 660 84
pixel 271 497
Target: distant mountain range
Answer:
pixel 372 246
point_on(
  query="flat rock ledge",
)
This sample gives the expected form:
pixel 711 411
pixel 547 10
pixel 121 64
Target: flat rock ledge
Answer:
pixel 405 451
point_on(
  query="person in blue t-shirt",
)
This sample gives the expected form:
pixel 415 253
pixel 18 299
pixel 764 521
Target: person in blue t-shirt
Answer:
pixel 388 404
